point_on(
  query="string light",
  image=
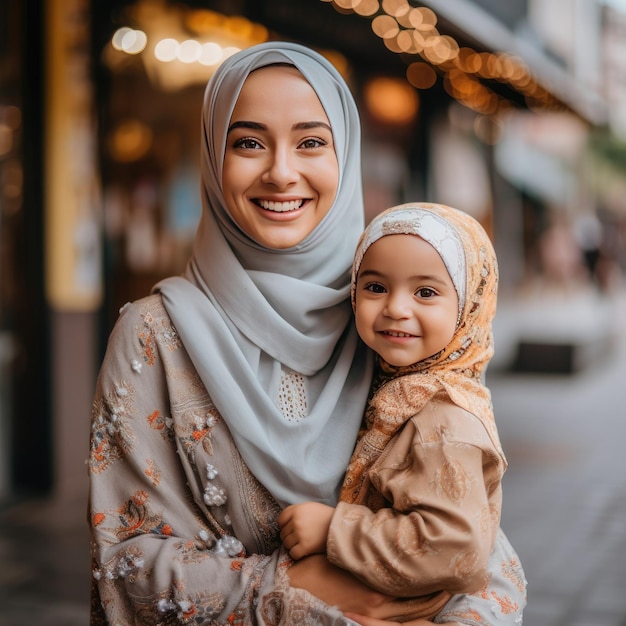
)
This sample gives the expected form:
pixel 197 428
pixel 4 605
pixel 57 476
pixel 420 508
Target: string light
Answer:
pixel 214 38
pixel 413 30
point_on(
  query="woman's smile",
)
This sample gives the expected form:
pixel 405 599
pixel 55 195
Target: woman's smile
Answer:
pixel 285 206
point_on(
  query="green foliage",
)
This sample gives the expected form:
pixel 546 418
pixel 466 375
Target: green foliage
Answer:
pixel 610 149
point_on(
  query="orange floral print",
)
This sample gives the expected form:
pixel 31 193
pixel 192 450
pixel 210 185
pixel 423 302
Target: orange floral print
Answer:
pixel 507 606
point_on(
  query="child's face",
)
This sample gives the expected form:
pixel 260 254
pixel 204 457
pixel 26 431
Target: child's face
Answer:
pixel 406 304
pixel 280 172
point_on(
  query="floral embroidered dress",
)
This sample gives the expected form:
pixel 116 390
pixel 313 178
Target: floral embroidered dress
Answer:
pixel 182 532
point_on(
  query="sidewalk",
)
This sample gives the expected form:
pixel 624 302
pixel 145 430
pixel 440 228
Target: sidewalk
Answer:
pixel 44 564
pixel 564 491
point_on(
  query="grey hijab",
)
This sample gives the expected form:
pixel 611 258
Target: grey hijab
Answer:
pixel 245 312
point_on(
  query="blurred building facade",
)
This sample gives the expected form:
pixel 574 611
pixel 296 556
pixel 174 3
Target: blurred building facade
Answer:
pixel 510 111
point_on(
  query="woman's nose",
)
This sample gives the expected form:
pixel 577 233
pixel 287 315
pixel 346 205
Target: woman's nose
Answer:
pixel 281 169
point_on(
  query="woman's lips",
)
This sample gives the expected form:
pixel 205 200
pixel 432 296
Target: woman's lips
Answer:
pixel 280 207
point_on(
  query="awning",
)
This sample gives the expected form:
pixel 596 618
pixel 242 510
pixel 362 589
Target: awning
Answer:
pixel 490 34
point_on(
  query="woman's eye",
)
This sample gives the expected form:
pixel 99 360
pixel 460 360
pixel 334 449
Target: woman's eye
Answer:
pixel 426 292
pixel 313 142
pixel 247 143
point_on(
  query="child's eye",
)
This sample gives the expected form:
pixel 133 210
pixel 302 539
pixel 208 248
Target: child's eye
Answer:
pixel 247 143
pixel 426 293
pixel 374 288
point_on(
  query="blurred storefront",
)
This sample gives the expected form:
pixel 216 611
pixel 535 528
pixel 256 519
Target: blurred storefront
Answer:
pixel 104 122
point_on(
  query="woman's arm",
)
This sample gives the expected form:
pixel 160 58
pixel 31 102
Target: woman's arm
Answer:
pixel 336 586
pixel 500 603
pixel 372 621
pixel 163 546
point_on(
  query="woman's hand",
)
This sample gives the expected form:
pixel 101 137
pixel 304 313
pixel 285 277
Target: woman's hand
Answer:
pixel 372 621
pixel 336 586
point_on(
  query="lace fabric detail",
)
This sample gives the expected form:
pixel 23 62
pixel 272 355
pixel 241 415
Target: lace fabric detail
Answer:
pixel 292 396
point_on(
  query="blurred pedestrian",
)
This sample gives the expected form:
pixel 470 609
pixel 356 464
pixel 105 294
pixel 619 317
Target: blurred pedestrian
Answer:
pixel 561 256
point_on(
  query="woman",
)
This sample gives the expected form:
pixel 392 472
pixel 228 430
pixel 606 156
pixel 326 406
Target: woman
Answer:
pixel 239 388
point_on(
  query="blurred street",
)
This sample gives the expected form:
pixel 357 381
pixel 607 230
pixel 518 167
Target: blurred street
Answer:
pixel 565 494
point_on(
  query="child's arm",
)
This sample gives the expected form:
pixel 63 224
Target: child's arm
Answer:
pixel 440 511
pixel 304 528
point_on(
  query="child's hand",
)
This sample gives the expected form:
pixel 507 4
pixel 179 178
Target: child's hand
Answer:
pixel 304 528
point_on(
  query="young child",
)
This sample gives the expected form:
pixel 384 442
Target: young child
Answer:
pixel 420 506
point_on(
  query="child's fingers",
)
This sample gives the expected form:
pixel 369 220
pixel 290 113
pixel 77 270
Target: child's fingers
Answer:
pixel 286 531
pixel 285 516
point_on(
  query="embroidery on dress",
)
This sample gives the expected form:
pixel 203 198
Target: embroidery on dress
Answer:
pixel 513 571
pixel 134 517
pixel 111 437
pixel 157 330
pixel 263 508
pixel 191 551
pixel 161 423
pixel 127 564
pixel 195 427
pixel 200 610
pixel 152 472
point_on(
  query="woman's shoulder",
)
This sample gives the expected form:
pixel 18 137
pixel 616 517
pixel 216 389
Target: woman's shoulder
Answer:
pixel 146 312
pixel 150 307
pixel 146 320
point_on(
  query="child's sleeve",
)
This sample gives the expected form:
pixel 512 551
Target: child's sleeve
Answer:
pixel 430 518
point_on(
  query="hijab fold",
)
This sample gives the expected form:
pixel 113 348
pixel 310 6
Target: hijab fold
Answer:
pixel 245 313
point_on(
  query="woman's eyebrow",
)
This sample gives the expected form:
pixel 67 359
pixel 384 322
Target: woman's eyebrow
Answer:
pixel 297 126
pixel 313 124
pixel 246 124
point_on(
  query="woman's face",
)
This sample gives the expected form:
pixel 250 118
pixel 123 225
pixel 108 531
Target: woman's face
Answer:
pixel 280 172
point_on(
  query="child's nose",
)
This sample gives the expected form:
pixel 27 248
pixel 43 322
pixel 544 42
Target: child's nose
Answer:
pixel 397 306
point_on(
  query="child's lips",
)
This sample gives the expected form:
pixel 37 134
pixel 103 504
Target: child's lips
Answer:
pixel 397 333
pixel 397 337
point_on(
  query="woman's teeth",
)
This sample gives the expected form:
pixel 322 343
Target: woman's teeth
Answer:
pixel 280 207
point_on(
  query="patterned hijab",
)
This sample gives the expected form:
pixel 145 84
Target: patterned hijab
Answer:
pixel 458 369
pixel 247 313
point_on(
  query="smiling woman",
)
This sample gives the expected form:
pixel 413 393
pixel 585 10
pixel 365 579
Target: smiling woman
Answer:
pixel 280 171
